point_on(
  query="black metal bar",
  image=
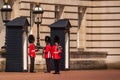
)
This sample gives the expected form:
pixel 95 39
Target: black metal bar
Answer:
pixel 38 37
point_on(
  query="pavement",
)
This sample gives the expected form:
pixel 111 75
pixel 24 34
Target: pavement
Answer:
pixel 64 75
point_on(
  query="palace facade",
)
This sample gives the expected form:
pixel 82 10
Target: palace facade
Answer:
pixel 95 31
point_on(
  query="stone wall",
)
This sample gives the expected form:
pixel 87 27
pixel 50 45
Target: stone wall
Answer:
pixel 2 28
pixel 53 12
pixel 103 28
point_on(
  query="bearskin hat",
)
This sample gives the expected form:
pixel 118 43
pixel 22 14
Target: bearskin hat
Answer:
pixel 31 38
pixel 47 39
pixel 56 39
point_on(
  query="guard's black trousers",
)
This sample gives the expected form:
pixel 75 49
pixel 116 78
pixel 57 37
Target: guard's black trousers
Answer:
pixel 57 64
pixel 32 60
pixel 48 64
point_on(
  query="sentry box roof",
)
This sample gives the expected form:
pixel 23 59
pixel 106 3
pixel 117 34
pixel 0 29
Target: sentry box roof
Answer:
pixel 62 23
pixel 19 21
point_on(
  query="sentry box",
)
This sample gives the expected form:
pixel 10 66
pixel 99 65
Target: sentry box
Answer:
pixel 16 50
pixel 61 29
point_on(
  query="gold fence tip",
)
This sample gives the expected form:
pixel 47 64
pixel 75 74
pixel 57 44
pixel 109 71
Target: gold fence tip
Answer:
pixel 5 1
pixel 37 4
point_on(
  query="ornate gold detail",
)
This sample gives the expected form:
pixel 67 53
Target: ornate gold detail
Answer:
pixel 5 1
pixel 37 4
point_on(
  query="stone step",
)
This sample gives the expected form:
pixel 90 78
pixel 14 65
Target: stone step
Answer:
pixel 2 64
pixel 87 64
pixel 87 60
pixel 2 53
pixel 88 54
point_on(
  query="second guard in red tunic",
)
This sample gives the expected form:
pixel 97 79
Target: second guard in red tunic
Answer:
pixel 47 54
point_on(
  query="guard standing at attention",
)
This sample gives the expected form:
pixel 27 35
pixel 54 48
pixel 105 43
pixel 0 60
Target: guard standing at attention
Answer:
pixel 47 54
pixel 32 52
pixel 56 54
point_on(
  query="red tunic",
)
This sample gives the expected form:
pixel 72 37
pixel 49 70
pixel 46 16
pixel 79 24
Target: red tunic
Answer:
pixel 56 52
pixel 32 50
pixel 47 51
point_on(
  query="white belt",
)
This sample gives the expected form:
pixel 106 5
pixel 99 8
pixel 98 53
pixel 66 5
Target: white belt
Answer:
pixel 55 52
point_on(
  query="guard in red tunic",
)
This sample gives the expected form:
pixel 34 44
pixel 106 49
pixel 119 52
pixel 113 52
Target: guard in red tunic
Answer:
pixel 47 53
pixel 32 52
pixel 56 54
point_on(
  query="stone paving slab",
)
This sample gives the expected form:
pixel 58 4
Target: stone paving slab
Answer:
pixel 65 75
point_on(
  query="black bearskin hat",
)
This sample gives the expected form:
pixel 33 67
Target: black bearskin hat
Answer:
pixel 31 38
pixel 56 39
pixel 47 39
